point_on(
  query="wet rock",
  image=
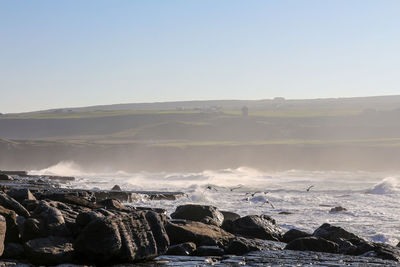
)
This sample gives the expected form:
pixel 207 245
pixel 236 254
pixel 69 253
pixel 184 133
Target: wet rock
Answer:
pixel 285 213
pixel 10 203
pixel 116 188
pixel 230 216
pixel 199 213
pixel 51 250
pixel 113 204
pixel 293 234
pixel 21 194
pixel 209 251
pixel 51 220
pixel 5 177
pixel 313 244
pixel 337 209
pixel 199 233
pixel 257 226
pixel 240 246
pixel 333 233
pixel 120 195
pixel 13 251
pixel 12 233
pixel 123 238
pixel 3 228
pixel 184 249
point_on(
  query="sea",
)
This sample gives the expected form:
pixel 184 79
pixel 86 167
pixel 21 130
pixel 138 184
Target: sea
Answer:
pixel 294 198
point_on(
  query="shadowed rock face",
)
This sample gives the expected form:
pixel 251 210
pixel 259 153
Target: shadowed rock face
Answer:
pixel 256 226
pixel 313 244
pixel 123 238
pixel 199 213
pixel 3 228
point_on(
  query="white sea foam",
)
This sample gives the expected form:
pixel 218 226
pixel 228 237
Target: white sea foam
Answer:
pixel 374 215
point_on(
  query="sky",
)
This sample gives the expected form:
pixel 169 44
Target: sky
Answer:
pixel 71 53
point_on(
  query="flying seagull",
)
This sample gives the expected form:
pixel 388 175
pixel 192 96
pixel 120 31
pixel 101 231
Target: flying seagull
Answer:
pixel 308 189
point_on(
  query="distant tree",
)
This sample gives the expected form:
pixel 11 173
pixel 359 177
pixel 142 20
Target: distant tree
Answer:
pixel 245 111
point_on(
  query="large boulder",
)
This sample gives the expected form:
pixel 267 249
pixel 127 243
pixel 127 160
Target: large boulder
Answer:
pixel 313 244
pixel 333 233
pixel 293 234
pixel 122 238
pixel 51 250
pixel 255 226
pixel 51 220
pixel 230 216
pixel 10 203
pixel 199 233
pixel 199 213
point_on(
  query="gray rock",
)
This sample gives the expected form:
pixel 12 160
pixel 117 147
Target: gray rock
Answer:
pixel 51 250
pixel 199 213
pixel 293 234
pixel 256 226
pixel 10 203
pixel 123 238
pixel 3 228
pixel 199 233
pixel 313 244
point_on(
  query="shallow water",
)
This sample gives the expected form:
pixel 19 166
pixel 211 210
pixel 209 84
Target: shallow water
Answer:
pixel 371 199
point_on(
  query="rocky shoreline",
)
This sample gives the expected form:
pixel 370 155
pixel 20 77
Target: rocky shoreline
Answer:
pixel 44 223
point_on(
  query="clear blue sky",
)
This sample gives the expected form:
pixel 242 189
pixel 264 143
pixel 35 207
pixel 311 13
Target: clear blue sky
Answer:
pixel 78 53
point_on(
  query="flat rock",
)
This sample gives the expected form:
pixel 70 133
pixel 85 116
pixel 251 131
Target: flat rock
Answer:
pixel 51 250
pixel 199 233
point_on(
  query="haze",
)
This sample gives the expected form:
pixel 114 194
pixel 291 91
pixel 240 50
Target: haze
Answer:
pixel 78 53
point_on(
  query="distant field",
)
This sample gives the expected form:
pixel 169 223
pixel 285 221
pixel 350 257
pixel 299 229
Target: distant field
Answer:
pixel 284 113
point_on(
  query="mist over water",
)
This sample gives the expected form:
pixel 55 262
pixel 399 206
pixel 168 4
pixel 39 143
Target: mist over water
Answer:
pixel 371 198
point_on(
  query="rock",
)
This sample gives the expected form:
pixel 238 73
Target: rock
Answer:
pixel 51 220
pixel 123 238
pixel 51 250
pixel 113 204
pixel 230 216
pixel 199 213
pixel 116 188
pixel 70 198
pixel 199 233
pixel 313 244
pixel 285 213
pixel 293 234
pixel 11 204
pixel 31 229
pixel 337 209
pixel 240 246
pixel 158 210
pixel 3 228
pixel 209 251
pixel 12 233
pixel 184 249
pixel 120 195
pixel 257 226
pixel 5 177
pixel 13 251
pixel 333 233
pixel 21 194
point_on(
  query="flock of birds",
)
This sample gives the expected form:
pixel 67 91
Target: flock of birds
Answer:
pixel 254 197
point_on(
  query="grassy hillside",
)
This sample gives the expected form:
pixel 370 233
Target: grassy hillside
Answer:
pixel 203 133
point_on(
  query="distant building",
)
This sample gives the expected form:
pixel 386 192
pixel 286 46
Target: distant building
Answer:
pixel 245 111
